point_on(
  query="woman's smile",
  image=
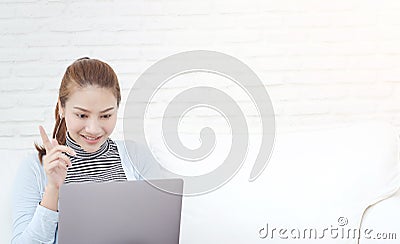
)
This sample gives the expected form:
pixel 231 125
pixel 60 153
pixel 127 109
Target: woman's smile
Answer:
pixel 91 139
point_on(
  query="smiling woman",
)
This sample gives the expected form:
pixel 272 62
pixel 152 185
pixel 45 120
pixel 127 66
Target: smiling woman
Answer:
pixel 88 84
pixel 81 151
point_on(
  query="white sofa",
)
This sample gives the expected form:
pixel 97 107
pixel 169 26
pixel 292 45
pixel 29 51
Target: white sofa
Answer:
pixel 315 180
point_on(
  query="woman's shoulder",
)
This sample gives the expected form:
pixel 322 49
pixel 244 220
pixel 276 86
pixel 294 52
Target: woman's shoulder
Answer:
pixel 129 146
pixel 30 163
pixel 31 158
pixel 29 171
pixel 142 156
pixel 136 150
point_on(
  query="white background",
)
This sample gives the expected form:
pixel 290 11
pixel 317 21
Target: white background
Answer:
pixel 322 62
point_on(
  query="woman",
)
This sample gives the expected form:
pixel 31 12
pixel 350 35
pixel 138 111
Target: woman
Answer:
pixel 81 151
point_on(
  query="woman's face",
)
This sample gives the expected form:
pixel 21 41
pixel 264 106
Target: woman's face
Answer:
pixel 90 116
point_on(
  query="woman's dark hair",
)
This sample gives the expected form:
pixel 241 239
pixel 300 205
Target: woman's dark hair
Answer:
pixel 82 73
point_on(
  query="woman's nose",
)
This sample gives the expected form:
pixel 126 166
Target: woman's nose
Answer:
pixel 93 127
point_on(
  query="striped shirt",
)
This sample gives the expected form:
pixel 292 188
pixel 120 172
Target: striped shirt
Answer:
pixel 103 165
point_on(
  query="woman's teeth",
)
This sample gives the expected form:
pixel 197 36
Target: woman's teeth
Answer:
pixel 91 138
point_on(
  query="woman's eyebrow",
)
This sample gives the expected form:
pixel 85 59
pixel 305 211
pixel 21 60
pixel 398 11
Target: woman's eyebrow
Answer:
pixel 85 110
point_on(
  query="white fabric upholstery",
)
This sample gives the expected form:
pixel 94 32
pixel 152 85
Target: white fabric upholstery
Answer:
pixel 383 219
pixel 312 180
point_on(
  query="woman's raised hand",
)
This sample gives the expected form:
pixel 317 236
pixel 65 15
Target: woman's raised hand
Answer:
pixel 55 163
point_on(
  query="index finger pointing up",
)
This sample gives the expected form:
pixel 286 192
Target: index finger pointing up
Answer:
pixel 46 142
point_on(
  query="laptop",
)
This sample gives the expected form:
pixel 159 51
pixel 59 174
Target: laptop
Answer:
pixel 133 212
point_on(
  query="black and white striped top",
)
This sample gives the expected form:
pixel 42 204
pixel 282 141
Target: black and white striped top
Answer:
pixel 102 165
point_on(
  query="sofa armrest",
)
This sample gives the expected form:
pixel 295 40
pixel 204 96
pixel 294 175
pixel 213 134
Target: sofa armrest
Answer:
pixel 382 222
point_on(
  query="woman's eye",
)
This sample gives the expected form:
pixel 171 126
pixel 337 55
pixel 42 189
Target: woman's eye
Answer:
pixel 106 116
pixel 81 116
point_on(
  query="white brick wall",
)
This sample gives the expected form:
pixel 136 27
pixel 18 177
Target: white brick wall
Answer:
pixel 322 62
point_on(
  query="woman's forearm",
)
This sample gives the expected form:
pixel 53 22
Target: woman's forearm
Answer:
pixel 50 198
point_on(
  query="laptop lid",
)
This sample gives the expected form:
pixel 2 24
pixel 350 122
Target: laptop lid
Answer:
pixel 120 213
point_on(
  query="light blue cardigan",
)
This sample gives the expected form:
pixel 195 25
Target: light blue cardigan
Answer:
pixel 33 223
